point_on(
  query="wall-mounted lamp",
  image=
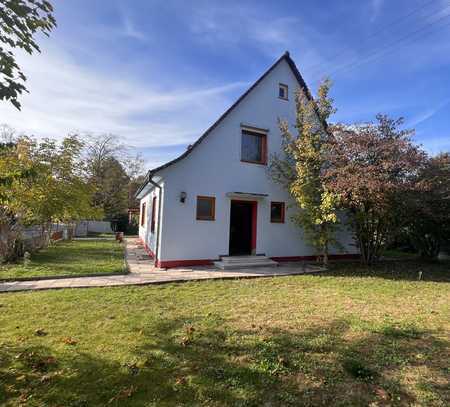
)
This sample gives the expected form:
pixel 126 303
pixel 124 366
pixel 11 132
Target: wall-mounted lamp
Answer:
pixel 183 196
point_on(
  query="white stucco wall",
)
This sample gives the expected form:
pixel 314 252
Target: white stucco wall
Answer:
pixel 214 168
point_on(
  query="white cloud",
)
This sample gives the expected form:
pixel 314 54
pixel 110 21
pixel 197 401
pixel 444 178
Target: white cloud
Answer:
pixel 130 30
pixel 434 144
pixel 64 97
pixel 376 6
pixel 426 114
pixel 237 25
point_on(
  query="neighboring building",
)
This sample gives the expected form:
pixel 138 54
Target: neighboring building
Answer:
pixel 217 199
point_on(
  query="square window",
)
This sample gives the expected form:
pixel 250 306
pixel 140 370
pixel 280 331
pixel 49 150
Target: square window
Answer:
pixel 277 211
pixel 206 207
pixel 283 91
pixel 253 147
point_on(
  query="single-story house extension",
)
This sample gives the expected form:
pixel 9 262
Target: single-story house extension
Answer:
pixel 217 199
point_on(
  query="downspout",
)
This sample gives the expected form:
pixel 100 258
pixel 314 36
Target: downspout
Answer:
pixel 156 185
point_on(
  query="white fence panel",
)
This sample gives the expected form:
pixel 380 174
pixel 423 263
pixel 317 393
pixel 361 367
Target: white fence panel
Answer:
pixel 83 228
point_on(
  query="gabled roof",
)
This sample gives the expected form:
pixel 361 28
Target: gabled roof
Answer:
pixel 285 57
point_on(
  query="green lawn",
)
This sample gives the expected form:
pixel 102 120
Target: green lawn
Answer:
pixel 348 337
pixel 70 258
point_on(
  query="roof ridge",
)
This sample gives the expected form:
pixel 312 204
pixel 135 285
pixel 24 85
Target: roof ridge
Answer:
pixel 298 76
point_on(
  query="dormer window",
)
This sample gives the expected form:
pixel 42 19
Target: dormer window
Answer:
pixel 283 91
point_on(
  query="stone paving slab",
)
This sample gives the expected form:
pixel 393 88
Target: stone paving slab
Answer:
pixel 142 271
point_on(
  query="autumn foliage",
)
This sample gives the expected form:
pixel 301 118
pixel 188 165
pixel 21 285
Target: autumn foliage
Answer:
pixel 40 183
pixel 373 173
pixel 371 167
pixel 427 207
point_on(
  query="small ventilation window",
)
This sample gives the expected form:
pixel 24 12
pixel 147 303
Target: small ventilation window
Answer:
pixel 283 91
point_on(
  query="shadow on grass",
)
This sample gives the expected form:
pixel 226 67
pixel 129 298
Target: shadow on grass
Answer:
pixel 408 270
pixel 205 362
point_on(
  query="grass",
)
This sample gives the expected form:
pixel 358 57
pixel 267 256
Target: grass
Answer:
pixel 349 337
pixel 69 258
pixel 399 254
pixel 103 235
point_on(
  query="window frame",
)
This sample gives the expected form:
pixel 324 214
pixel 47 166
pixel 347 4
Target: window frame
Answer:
pixel 143 209
pixel 263 136
pixel 152 224
pixel 212 216
pixel 283 212
pixel 286 91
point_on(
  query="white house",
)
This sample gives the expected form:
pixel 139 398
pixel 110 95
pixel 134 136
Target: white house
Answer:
pixel 217 199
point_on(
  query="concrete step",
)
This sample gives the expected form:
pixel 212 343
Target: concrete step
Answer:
pixel 240 259
pixel 244 262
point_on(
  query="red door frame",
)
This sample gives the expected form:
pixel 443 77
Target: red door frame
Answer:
pixel 254 220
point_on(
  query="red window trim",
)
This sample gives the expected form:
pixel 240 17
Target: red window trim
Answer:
pixel 152 225
pixel 263 147
pixel 143 214
pixel 213 208
pixel 283 211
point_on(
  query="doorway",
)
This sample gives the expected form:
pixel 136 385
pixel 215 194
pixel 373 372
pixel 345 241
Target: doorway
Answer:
pixel 242 228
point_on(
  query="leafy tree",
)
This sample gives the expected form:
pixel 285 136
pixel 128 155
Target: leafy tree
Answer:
pixel 40 183
pixel 114 194
pixel 114 173
pixel 63 193
pixel 20 20
pixel 371 168
pixel 17 175
pixel 134 167
pixel 301 165
pixel 7 134
pixel 427 207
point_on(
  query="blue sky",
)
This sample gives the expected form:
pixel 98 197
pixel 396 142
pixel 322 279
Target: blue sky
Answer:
pixel 158 73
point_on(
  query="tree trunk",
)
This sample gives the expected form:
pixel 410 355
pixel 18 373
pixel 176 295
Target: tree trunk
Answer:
pixel 11 246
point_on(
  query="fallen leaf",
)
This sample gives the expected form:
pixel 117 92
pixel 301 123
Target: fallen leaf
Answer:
pixel 45 379
pixel 123 394
pixel 180 381
pixel 70 341
pixel 133 368
pixel 185 341
pixel 381 393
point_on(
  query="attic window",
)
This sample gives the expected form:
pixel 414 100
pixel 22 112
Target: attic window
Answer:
pixel 283 91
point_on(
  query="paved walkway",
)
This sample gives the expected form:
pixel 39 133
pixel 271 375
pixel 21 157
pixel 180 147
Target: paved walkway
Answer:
pixel 143 271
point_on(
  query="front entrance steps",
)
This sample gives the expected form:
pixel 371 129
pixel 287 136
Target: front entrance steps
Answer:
pixel 244 262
